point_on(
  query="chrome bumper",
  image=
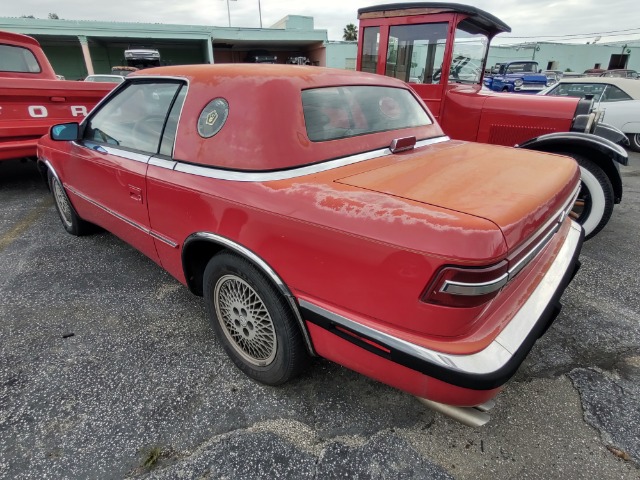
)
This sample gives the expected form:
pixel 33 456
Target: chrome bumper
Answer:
pixel 488 368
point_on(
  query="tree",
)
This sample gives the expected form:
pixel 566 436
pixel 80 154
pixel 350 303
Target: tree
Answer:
pixel 350 33
pixel 54 16
pixel 27 16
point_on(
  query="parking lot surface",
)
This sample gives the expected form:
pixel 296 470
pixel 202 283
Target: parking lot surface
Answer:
pixel 108 369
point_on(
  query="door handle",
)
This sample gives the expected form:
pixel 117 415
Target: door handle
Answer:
pixel 135 194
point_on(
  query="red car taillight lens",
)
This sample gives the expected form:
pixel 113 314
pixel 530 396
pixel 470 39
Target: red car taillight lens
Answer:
pixel 466 287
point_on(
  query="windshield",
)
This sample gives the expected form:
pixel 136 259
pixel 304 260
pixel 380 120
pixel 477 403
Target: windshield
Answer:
pixel 469 51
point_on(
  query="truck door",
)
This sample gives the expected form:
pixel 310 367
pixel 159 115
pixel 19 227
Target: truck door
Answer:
pixel 414 53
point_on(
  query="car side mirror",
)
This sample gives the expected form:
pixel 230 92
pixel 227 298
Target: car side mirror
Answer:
pixel 65 132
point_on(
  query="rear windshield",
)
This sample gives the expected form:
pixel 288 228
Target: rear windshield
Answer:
pixel 17 59
pixel 340 112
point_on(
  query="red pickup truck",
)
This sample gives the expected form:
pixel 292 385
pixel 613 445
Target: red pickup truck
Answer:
pixel 32 98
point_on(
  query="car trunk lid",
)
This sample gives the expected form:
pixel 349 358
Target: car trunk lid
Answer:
pixel 518 196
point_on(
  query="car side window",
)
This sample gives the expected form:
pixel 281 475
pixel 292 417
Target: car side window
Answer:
pixel 134 118
pixel 170 129
pixel 614 94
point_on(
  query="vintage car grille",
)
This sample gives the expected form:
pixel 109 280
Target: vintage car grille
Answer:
pixel 504 134
pixel 533 86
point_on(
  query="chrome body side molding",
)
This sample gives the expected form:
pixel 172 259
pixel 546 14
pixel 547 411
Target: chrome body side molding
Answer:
pixel 247 176
pixel 128 221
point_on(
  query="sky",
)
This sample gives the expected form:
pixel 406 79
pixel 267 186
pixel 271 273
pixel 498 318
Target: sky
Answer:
pixel 577 21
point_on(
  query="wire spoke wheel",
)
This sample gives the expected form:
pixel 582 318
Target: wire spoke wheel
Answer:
pixel 245 320
pixel 253 320
pixel 63 204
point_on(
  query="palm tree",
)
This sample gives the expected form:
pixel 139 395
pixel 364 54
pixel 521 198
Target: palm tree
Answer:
pixel 350 33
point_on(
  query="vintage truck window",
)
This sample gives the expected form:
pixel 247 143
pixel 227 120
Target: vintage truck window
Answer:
pixel 415 52
pixel 469 50
pixel 18 59
pixel 370 44
pixel 340 112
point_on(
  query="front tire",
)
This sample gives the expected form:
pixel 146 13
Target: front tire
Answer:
pixel 634 141
pixel 252 320
pixel 594 205
pixel 70 219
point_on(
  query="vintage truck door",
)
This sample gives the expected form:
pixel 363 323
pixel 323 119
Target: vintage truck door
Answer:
pixel 411 50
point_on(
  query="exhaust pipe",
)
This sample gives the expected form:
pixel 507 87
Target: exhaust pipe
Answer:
pixel 470 416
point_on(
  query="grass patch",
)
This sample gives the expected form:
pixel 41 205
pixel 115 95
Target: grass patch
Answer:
pixel 151 458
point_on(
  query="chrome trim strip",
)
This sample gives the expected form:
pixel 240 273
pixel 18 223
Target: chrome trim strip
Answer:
pixel 117 152
pixel 471 289
pixel 53 170
pixel 245 176
pixel 524 261
pixel 175 136
pixel 163 239
pixel 506 344
pixel 558 218
pixel 128 81
pixel 55 174
pixel 266 268
pixel 162 163
pixel 128 221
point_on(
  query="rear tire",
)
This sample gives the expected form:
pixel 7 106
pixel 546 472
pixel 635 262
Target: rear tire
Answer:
pixel 594 206
pixel 70 219
pixel 252 320
pixel 634 141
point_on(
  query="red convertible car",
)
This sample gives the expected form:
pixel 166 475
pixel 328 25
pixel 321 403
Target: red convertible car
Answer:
pixel 324 212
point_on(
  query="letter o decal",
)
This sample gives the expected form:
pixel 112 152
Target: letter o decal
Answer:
pixel 38 111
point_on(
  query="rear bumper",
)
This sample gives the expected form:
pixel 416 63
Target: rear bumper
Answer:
pixel 487 369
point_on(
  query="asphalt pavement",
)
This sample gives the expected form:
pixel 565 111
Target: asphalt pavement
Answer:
pixel 109 369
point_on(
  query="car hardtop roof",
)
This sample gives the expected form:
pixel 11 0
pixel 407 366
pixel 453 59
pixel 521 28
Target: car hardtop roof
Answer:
pixel 482 19
pixel 242 73
pixel 17 38
pixel 630 86
pixel 265 125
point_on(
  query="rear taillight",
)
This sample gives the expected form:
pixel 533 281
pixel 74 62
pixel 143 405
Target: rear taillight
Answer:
pixel 466 286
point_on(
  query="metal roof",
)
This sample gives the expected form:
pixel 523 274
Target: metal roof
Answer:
pixel 483 19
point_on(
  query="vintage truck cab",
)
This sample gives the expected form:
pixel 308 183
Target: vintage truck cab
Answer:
pixel 441 50
pixel 520 77
pixel 32 99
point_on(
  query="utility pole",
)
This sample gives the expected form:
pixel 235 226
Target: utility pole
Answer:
pixel 229 12
pixel 260 13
